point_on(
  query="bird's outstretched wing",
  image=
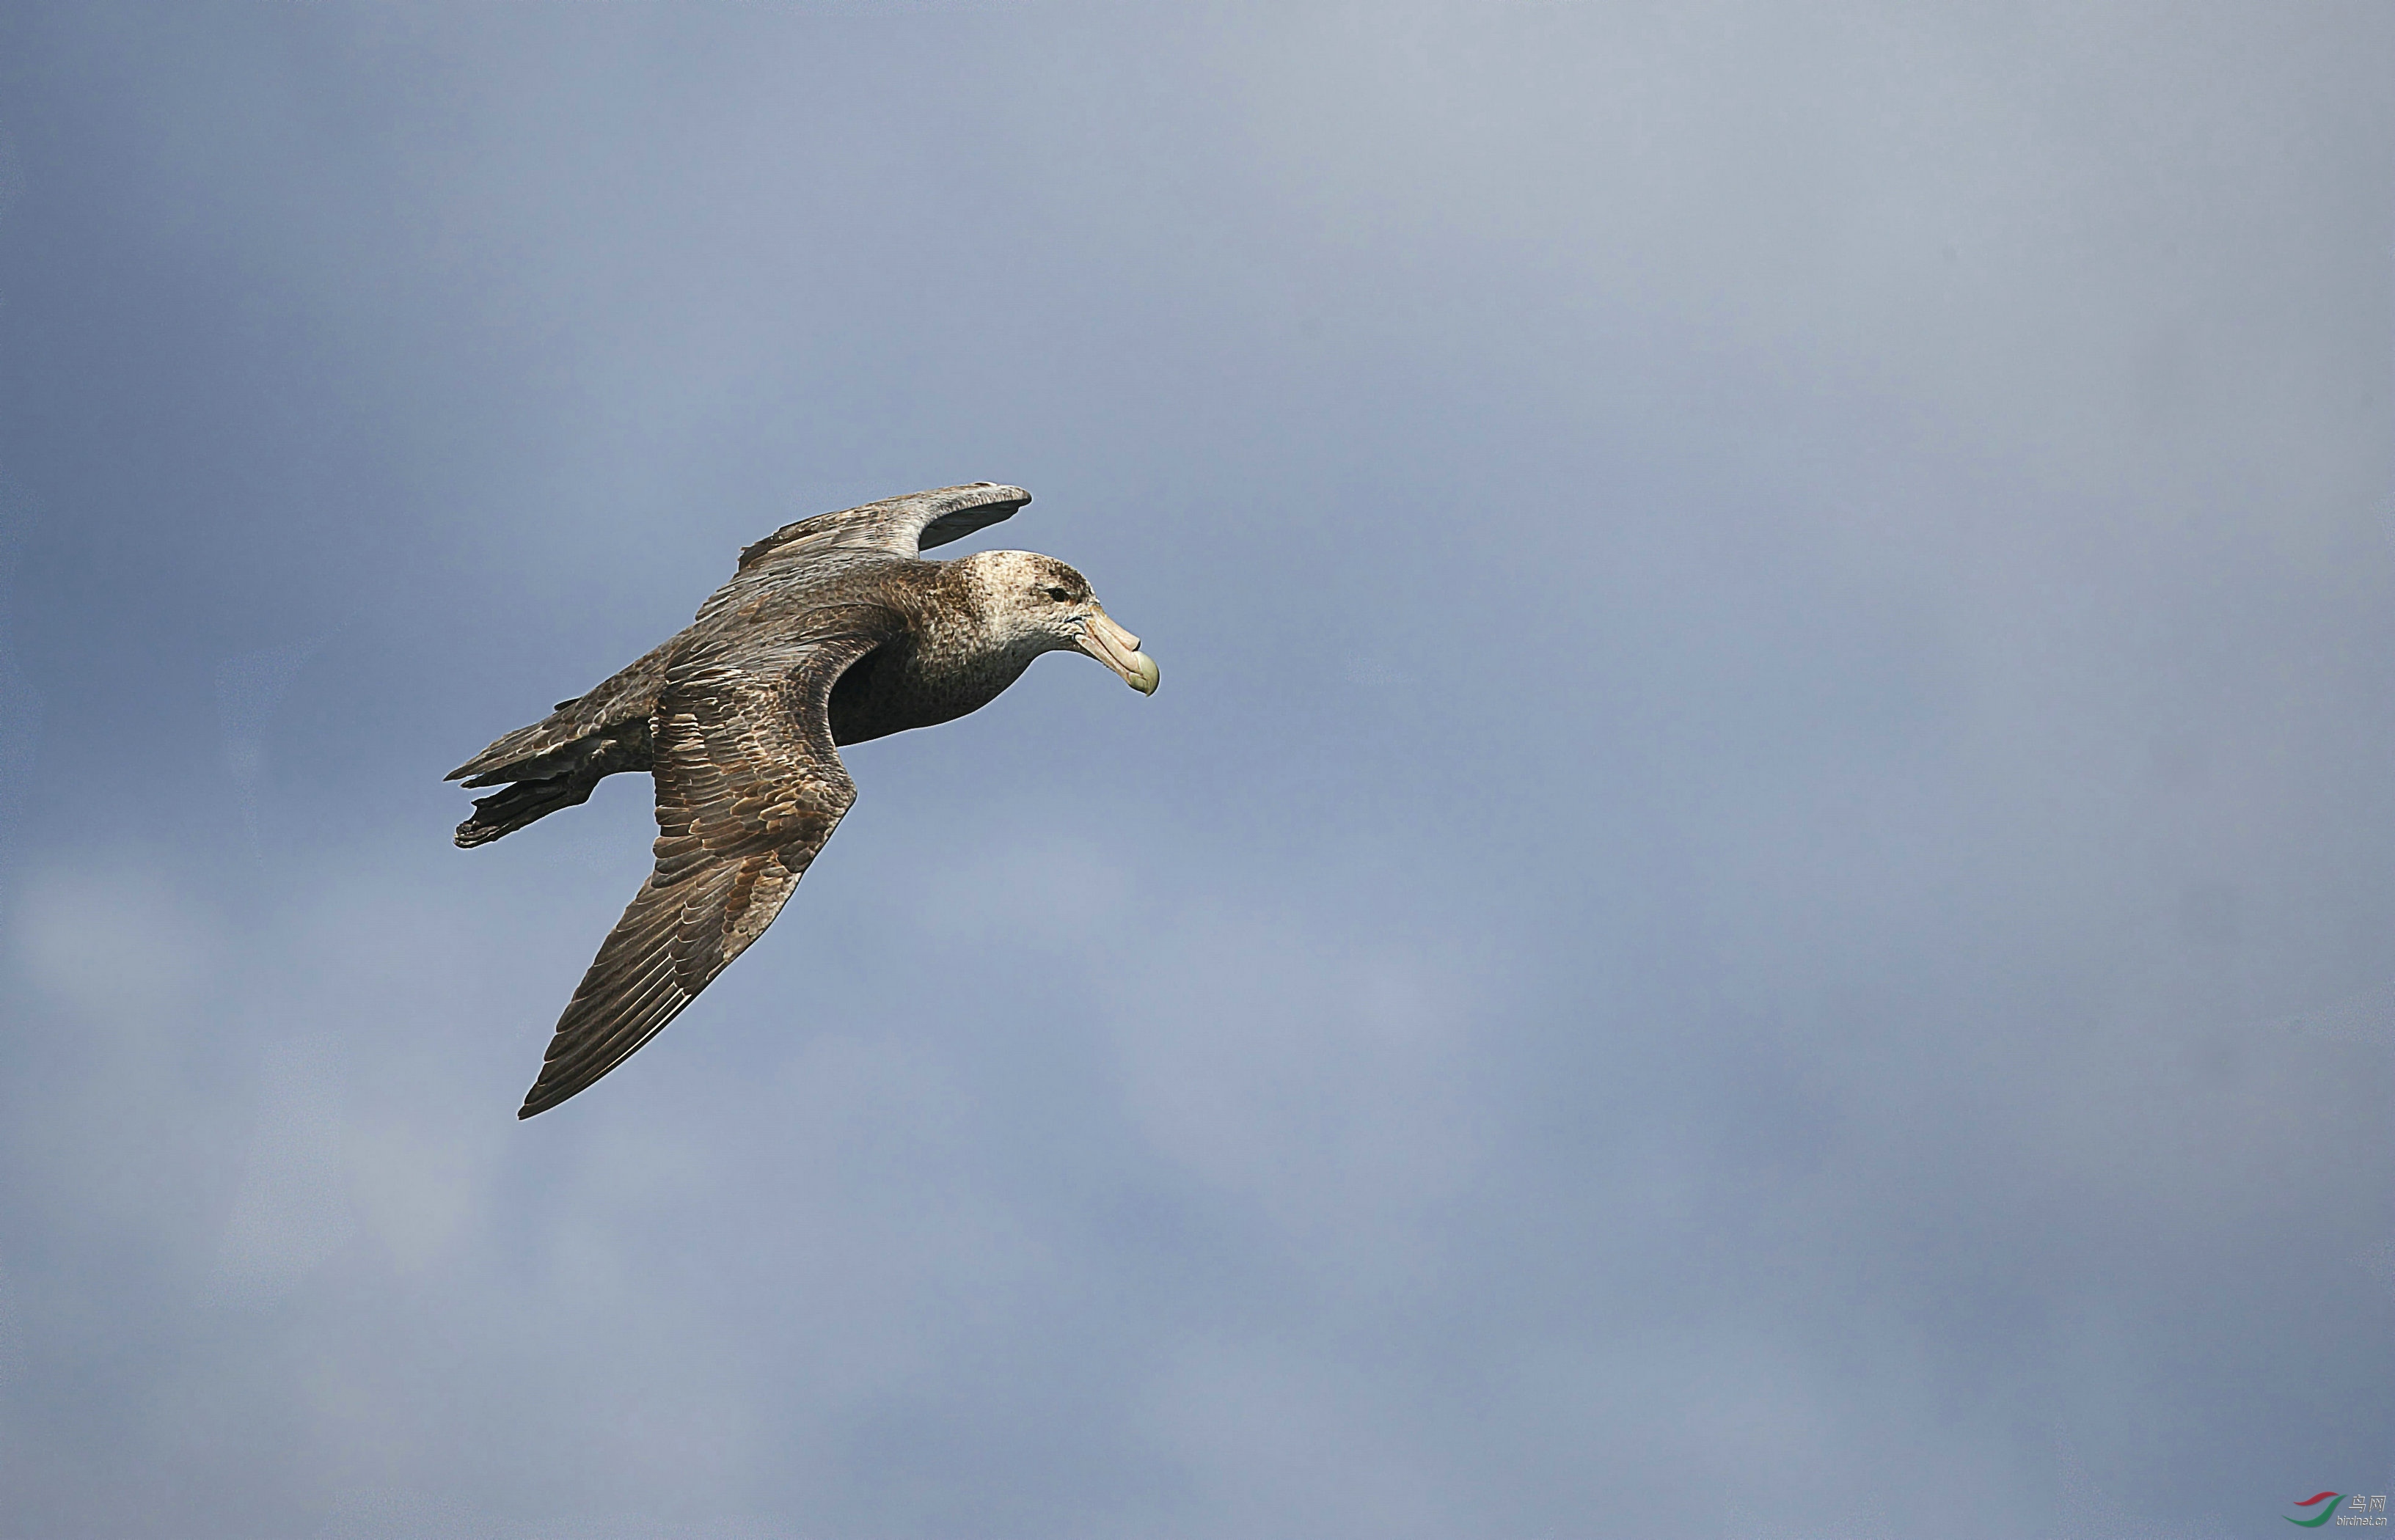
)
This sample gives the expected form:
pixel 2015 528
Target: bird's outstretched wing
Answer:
pixel 749 788
pixel 894 526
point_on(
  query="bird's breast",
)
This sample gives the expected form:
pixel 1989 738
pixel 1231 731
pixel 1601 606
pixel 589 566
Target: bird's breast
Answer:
pixel 905 685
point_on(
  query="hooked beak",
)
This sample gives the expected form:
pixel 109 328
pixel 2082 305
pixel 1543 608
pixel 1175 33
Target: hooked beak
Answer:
pixel 1118 649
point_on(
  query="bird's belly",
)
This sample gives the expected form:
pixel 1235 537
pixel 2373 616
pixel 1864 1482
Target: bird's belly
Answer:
pixel 874 700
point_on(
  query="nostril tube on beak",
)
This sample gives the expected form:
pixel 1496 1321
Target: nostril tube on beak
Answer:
pixel 1118 649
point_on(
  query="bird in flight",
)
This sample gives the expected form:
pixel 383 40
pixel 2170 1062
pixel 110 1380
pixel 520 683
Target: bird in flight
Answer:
pixel 834 630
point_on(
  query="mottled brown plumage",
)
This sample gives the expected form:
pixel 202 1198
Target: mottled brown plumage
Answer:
pixel 834 630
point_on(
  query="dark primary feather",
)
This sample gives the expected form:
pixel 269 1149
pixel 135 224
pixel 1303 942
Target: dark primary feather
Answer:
pixel 749 788
pixel 894 526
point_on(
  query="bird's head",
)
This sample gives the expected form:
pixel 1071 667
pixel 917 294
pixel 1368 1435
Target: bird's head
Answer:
pixel 1036 602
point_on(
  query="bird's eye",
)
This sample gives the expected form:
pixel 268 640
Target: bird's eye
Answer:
pixel 1059 595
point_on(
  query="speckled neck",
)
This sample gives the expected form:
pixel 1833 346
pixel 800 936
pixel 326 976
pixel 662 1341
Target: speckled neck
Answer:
pixel 960 654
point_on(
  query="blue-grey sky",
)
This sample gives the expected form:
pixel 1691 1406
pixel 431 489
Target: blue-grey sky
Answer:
pixel 1759 901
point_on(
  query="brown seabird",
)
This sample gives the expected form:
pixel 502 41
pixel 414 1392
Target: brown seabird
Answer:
pixel 834 630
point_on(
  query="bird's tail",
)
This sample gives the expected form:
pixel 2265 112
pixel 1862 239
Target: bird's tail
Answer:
pixel 563 777
pixel 556 761
pixel 505 813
